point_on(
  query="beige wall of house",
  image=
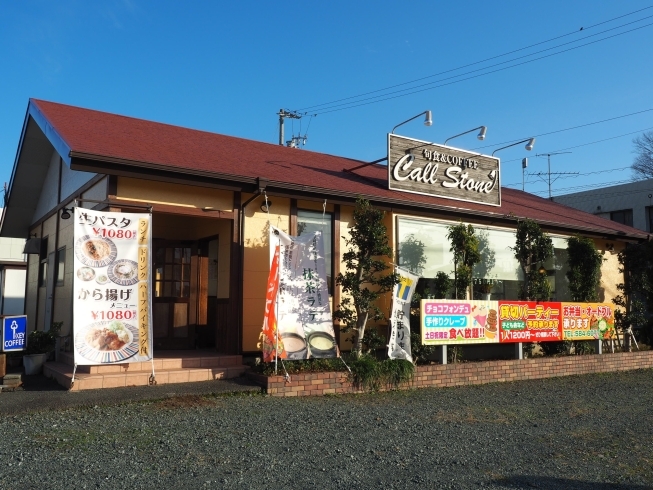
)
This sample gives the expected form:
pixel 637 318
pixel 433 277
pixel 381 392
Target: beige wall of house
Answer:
pixel 153 192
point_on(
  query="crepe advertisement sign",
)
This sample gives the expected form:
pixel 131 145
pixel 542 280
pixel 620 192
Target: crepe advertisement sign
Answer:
pixel 452 321
pixel 304 322
pixel 111 285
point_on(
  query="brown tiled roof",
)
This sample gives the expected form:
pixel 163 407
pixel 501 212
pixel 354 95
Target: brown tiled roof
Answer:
pixel 109 137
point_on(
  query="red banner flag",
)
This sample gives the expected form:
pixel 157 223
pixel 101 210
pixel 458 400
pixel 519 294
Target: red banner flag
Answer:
pixel 269 335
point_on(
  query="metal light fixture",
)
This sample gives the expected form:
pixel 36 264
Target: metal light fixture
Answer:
pixel 530 142
pixel 65 213
pixel 542 270
pixel 428 120
pixel 265 207
pixel 480 136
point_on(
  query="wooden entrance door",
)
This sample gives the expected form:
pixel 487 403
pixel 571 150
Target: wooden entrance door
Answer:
pixel 179 294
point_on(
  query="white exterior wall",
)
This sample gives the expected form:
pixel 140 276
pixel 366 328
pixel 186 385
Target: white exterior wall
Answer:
pixel 601 202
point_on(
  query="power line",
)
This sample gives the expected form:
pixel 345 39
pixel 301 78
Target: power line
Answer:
pixel 478 62
pixel 620 169
pixel 590 143
pixel 568 129
pixel 411 91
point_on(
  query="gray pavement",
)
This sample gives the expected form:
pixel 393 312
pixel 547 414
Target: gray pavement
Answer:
pixel 40 393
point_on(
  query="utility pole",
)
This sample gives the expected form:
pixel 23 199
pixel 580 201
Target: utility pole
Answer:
pixel 549 155
pixel 282 115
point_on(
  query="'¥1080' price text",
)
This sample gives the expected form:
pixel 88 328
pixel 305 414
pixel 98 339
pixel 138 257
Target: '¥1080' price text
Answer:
pixel 114 315
pixel 110 233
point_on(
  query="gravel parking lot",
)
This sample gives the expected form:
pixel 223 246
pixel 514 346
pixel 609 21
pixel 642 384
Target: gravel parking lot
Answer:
pixel 583 432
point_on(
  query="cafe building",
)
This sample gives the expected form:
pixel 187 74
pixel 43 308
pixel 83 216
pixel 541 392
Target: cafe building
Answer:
pixel 212 200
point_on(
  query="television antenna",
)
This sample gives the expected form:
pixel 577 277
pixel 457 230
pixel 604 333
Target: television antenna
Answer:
pixel 540 174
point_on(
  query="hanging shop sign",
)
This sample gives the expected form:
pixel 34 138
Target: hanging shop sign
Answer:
pixel 112 311
pixel 399 344
pixel 469 322
pixel 437 170
pixel 303 314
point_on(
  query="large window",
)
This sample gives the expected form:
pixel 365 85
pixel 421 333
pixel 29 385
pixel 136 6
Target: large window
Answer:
pixel 43 263
pixel 60 261
pixel 311 221
pixel 624 216
pixel 497 276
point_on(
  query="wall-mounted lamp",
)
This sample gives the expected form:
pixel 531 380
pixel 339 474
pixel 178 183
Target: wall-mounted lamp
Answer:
pixel 428 120
pixel 208 208
pixel 609 247
pixel 542 270
pixel 265 207
pixel 530 142
pixel 480 135
pixel 65 213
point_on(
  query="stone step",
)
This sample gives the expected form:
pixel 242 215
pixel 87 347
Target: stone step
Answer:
pixel 192 360
pixel 63 374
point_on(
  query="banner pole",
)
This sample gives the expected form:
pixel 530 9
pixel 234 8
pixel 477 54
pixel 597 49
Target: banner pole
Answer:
pixel 276 310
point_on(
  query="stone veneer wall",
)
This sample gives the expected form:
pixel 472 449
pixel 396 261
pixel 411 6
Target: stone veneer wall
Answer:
pixel 439 375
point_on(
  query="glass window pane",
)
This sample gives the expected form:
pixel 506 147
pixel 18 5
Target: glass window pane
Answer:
pixel 168 255
pixel 168 273
pixel 167 289
pixel 186 272
pixel 186 257
pixel 497 274
pixel 177 273
pixel 177 290
pixel 178 254
pixel 185 290
pixel 158 289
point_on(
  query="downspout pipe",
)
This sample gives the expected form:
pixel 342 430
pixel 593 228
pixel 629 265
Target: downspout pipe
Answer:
pixel 261 185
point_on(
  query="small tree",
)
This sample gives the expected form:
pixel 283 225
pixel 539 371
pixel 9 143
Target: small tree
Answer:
pixel 643 164
pixel 532 249
pixel 584 273
pixel 464 245
pixel 365 279
pixel 636 292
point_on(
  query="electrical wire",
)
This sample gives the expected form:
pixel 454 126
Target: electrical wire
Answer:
pixel 412 90
pixel 481 61
pixel 587 144
pixel 620 169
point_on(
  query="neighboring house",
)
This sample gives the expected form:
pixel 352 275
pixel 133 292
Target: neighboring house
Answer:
pixel 13 270
pixel 628 204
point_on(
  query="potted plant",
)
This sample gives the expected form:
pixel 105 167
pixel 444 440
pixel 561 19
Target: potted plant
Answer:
pixel 39 344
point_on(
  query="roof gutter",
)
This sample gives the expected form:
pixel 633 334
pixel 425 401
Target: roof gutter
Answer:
pixel 261 185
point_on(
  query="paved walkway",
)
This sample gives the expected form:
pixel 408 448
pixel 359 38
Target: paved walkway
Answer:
pixel 40 393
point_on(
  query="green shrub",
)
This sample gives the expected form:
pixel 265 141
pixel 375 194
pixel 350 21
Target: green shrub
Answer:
pixel 42 342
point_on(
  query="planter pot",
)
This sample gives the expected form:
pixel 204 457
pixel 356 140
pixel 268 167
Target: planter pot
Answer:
pixel 34 363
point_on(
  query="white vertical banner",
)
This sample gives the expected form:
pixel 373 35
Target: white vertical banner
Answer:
pixel 304 316
pixel 112 302
pixel 399 343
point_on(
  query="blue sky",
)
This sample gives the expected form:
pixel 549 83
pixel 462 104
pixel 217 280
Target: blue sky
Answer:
pixel 228 67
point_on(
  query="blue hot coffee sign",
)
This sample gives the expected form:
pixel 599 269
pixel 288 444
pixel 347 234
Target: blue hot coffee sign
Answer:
pixel 14 333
